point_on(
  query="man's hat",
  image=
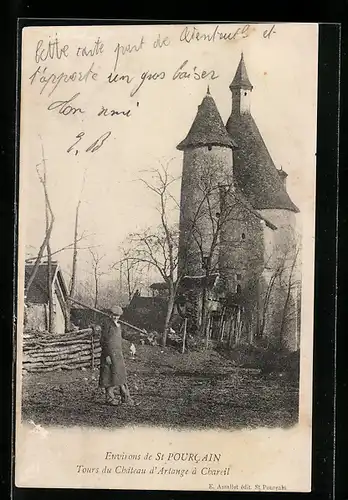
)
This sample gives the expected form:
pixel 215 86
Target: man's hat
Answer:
pixel 117 310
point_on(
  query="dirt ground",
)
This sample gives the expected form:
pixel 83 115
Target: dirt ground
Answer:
pixel 197 389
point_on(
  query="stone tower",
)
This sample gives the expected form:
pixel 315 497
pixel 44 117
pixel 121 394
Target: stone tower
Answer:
pixel 230 181
pixel 207 164
pixel 265 188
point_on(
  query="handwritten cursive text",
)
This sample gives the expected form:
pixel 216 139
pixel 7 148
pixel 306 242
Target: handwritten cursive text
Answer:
pixel 190 34
pixel 64 107
pixel 43 77
pixel 97 144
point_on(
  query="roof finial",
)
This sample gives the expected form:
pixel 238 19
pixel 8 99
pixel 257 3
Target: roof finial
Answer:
pixel 208 90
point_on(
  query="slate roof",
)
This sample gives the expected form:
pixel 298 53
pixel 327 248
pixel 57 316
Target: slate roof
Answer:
pixel 243 201
pixel 254 171
pixel 255 174
pixel 38 291
pixel 207 128
pixel 241 79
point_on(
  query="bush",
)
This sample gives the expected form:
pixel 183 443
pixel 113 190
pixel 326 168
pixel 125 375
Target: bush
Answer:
pixel 278 361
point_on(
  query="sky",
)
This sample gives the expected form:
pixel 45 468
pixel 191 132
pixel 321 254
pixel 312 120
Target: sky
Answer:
pixel 282 69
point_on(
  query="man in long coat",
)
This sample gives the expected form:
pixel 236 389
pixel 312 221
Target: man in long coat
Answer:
pixel 112 367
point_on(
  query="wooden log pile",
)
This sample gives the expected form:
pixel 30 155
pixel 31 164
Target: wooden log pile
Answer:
pixel 50 353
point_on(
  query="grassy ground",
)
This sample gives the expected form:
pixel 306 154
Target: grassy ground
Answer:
pixel 200 389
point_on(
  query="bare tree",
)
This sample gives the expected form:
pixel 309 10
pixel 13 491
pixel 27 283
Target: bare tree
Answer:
pixel 47 235
pixel 49 221
pixel 48 247
pixel 158 248
pixel 72 285
pixel 83 236
pixel 217 205
pixel 97 273
pixel 282 281
pixel 292 282
pixel 276 273
pixel 131 271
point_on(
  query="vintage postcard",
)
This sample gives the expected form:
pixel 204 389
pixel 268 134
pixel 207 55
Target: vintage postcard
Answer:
pixel 166 257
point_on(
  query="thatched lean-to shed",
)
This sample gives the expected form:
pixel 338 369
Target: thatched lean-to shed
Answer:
pixel 36 299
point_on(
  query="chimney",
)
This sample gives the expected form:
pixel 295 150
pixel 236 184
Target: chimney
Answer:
pixel 283 175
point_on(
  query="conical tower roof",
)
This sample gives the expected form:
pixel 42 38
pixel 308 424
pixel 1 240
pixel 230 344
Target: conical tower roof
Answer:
pixel 241 79
pixel 207 129
pixel 254 170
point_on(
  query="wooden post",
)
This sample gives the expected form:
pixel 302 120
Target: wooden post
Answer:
pixel 184 336
pixel 238 327
pixel 92 348
pixel 47 321
pixel 231 331
pixel 223 330
pixel 210 321
pixel 221 326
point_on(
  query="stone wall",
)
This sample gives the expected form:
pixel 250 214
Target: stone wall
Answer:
pixel 281 282
pixel 203 170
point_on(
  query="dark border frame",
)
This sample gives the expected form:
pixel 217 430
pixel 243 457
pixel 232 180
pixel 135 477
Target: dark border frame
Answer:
pixel 325 267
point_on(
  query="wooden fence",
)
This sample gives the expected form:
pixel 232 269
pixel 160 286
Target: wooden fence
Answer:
pixel 69 352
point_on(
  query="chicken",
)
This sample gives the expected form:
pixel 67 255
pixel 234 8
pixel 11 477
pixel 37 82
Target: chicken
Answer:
pixel 132 350
pixel 38 429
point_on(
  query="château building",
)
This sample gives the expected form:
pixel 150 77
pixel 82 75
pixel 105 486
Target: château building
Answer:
pixel 238 248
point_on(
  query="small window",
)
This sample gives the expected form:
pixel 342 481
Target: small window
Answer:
pixel 209 147
pixel 239 288
pixel 238 276
pixel 245 93
pixel 243 236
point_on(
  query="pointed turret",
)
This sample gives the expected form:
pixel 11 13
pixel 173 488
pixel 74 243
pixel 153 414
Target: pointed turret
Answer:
pixel 241 89
pixel 207 128
pixel 241 79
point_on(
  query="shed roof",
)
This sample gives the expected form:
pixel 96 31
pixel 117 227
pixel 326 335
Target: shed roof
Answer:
pixel 207 127
pixel 244 202
pixel 139 301
pixel 38 291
